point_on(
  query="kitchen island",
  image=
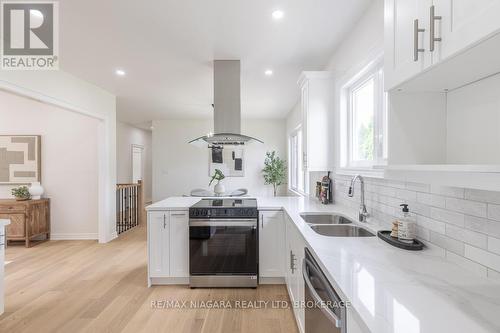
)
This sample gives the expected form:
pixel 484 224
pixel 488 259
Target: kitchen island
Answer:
pixel 389 289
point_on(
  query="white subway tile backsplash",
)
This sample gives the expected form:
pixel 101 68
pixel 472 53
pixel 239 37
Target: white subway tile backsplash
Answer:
pixel 483 257
pixel 467 236
pixel 467 263
pixel 448 216
pixel 428 223
pixel 431 199
pixel 482 196
pixel 447 243
pixel 461 224
pixel 494 212
pixel 418 187
pixel 448 191
pixel 407 195
pixel 467 207
pixel 494 245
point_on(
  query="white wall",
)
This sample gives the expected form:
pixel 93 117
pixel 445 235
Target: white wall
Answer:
pixel 69 153
pixel 179 167
pixel 75 95
pixel 126 136
pixel 473 123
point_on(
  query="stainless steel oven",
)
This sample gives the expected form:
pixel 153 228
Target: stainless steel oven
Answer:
pixel 223 243
pixel 325 311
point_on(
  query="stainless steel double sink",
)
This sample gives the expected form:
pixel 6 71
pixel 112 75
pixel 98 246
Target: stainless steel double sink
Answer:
pixel 334 225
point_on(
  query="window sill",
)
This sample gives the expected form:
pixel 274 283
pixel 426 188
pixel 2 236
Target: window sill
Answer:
pixel 297 193
pixel 372 172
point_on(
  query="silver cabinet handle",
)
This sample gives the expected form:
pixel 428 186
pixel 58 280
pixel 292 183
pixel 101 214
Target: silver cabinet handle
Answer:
pixel 178 214
pixel 416 30
pixel 432 28
pixel 292 262
pixel 262 221
pixel 164 221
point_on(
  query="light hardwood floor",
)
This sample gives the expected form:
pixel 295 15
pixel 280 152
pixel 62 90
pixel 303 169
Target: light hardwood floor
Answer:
pixel 82 286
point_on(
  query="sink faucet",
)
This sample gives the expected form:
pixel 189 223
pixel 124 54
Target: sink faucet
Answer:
pixel 363 213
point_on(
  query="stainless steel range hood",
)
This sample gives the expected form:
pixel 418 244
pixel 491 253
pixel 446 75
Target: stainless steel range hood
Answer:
pixel 227 108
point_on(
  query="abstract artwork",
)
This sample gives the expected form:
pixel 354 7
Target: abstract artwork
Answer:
pixel 228 160
pixel 20 160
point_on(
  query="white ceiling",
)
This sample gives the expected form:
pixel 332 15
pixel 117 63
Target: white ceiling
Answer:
pixel 167 47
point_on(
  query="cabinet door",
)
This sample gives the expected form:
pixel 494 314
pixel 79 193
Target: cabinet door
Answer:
pixel 401 40
pixel 299 284
pixel 158 240
pixel 463 23
pixel 2 268
pixel 179 244
pixel 272 244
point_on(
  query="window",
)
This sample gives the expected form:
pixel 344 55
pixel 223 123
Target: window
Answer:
pixel 296 173
pixel 365 119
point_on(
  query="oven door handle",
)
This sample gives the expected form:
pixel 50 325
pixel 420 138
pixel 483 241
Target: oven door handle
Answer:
pixel 224 223
pixel 326 311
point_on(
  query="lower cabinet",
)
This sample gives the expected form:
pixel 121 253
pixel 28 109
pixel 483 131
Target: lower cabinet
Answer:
pixel 294 281
pixel 168 245
pixel 271 244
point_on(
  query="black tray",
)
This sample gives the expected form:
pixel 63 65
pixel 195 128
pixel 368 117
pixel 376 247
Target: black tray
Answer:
pixel 386 236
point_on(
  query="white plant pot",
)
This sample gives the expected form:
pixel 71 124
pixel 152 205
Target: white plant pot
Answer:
pixel 36 190
pixel 219 189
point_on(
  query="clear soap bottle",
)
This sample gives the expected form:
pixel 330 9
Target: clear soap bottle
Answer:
pixel 406 225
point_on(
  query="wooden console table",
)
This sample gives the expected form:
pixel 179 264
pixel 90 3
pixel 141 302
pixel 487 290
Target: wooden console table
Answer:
pixel 29 219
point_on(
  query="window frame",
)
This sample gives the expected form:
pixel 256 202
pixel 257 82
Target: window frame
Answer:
pixel 293 184
pixel 374 70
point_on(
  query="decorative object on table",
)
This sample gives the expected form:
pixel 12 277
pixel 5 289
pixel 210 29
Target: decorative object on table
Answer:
pixel 229 160
pixel 21 193
pixel 20 159
pixel 394 231
pixel 274 171
pixel 326 190
pixel 318 189
pixel 406 225
pixel 29 220
pixel 239 192
pixel 36 190
pixel 218 176
pixel 415 245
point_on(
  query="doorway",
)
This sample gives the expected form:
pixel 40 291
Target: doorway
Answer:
pixel 137 163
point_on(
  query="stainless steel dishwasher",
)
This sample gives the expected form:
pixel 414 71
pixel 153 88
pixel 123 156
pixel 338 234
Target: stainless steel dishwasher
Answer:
pixel 325 310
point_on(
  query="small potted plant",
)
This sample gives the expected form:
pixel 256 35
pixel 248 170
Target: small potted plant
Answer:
pixel 21 193
pixel 218 176
pixel 274 171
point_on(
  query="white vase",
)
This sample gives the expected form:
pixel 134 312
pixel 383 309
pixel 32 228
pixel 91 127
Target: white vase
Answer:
pixel 36 190
pixel 219 189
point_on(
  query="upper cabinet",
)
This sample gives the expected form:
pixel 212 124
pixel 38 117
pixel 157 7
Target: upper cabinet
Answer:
pixel 428 41
pixel 317 92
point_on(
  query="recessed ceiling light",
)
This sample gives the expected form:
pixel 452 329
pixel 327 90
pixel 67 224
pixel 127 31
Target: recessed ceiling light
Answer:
pixel 268 72
pixel 278 14
pixel 120 72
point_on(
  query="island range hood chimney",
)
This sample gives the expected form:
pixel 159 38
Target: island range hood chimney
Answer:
pixel 227 108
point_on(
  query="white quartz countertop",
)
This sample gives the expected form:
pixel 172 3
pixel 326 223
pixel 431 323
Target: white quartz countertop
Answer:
pixel 392 290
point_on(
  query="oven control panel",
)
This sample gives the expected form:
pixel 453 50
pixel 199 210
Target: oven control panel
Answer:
pixel 221 212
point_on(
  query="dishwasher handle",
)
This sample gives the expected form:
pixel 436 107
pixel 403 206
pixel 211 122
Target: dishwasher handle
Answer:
pixel 326 311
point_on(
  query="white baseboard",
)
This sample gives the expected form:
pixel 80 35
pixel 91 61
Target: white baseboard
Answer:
pixel 74 236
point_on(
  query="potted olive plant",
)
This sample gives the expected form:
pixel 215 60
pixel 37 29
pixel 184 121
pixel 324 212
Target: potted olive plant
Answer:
pixel 21 193
pixel 274 171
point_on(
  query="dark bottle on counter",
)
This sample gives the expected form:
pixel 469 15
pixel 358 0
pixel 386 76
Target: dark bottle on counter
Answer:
pixel 326 190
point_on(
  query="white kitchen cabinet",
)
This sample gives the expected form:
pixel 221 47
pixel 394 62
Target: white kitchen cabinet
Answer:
pixel 295 282
pixel 317 92
pixel 458 26
pixel 159 244
pixel 179 244
pixel 271 244
pixel 463 23
pixel 404 22
pixel 2 263
pixel 354 323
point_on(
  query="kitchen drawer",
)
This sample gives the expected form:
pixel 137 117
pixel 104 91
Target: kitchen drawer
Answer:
pixel 7 209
